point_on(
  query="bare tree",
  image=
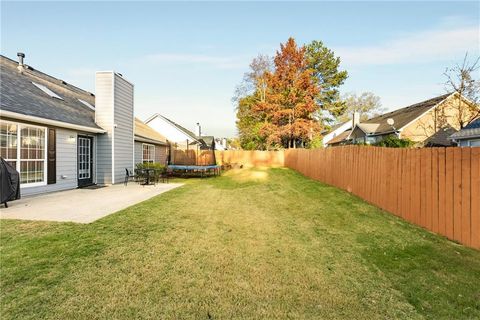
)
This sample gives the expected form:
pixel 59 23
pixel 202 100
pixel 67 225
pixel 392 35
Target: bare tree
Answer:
pixel 254 79
pixel 463 79
pixel 366 104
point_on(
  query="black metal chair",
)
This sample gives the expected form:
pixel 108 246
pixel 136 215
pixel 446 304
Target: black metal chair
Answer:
pixel 165 174
pixel 128 176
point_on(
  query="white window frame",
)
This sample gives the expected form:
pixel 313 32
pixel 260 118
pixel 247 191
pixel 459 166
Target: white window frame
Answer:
pixel 148 145
pixel 470 140
pixel 47 90
pixel 18 160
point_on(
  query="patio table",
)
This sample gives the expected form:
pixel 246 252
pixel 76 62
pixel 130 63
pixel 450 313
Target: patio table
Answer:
pixel 148 174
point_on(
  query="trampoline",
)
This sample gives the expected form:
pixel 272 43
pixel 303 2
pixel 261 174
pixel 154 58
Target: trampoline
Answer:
pixel 212 170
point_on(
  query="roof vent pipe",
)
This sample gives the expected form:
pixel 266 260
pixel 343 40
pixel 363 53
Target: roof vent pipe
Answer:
pixel 199 130
pixel 20 56
pixel 355 119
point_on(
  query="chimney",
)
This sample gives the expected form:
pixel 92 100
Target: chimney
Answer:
pixel 355 119
pixel 114 110
pixel 20 56
pixel 199 130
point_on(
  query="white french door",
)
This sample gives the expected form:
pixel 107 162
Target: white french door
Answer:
pixel 85 161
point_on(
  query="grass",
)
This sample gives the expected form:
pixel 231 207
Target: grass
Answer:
pixel 259 243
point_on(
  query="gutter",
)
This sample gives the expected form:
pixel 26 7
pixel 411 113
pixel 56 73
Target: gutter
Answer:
pixel 61 124
pixel 147 140
pixel 465 137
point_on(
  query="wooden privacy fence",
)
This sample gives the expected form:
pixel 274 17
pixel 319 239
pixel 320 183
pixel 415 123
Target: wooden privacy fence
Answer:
pixel 436 188
pixel 251 158
pixel 192 157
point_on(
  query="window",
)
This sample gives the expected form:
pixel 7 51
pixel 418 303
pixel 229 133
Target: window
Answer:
pixel 475 143
pixel 23 146
pixel 148 155
pixel 87 104
pixel 8 142
pixel 47 91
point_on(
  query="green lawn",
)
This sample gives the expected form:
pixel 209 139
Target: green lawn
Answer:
pixel 264 244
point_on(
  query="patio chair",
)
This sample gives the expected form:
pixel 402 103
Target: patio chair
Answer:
pixel 128 176
pixel 165 174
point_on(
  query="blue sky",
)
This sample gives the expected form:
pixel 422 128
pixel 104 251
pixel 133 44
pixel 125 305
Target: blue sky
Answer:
pixel 186 58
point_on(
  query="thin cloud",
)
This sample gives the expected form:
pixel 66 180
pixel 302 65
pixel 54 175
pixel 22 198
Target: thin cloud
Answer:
pixel 430 45
pixel 220 62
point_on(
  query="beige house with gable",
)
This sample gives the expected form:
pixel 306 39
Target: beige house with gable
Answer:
pixel 428 123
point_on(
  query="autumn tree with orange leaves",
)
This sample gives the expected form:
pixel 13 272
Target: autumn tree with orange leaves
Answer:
pixel 289 103
pixel 282 110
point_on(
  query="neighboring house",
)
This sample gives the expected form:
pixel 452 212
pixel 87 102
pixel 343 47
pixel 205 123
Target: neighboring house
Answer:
pixel 221 144
pixel 339 133
pixel 178 135
pixel 150 146
pixel 61 137
pixel 428 123
pixel 340 140
pixel 468 136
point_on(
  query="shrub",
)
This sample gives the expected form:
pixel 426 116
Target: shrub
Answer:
pixel 158 167
pixel 394 142
pixel 316 142
pixel 150 165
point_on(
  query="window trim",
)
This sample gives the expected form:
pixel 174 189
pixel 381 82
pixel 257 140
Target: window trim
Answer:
pixel 47 90
pixel 150 145
pixel 469 141
pixel 18 160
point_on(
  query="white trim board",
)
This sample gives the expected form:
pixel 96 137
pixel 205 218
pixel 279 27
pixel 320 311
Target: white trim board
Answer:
pixel 43 121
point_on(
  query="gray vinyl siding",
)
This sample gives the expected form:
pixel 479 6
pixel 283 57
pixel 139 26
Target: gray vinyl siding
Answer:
pixel 138 152
pixel 123 137
pixel 66 162
pixel 104 118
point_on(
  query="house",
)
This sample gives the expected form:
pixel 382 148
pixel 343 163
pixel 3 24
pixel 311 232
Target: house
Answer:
pixel 60 137
pixel 221 144
pixel 468 136
pixel 150 146
pixel 180 136
pixel 428 123
pixel 338 134
pixel 340 140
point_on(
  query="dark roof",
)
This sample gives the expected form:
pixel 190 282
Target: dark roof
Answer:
pixel 470 131
pixel 475 124
pixel 19 95
pixel 440 138
pixel 403 116
pixel 342 137
pixel 146 134
pixel 208 140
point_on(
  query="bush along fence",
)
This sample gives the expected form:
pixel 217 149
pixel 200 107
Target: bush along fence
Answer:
pixel 436 188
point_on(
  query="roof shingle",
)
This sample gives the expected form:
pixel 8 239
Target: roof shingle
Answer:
pixel 403 116
pixel 20 95
pixel 146 134
pixel 470 131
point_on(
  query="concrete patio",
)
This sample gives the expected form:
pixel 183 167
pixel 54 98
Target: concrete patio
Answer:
pixel 82 205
